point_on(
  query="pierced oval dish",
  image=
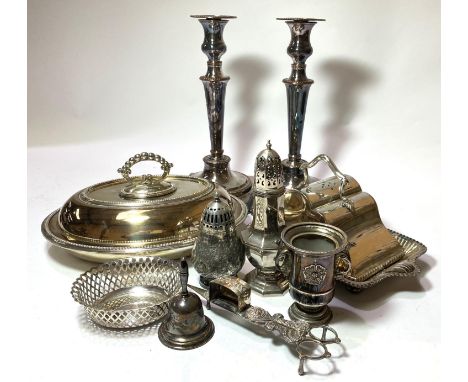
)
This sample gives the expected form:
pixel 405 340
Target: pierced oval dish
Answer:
pixel 127 293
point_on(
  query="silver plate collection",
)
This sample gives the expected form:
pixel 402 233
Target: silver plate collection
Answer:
pixel 305 234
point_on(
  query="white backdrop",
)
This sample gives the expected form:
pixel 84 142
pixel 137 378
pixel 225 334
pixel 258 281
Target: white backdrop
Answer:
pixel 110 78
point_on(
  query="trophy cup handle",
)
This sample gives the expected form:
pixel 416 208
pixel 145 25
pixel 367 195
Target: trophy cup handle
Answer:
pixel 343 262
pixel 283 261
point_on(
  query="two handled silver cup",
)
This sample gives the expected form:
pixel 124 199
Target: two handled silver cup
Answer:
pixel 311 254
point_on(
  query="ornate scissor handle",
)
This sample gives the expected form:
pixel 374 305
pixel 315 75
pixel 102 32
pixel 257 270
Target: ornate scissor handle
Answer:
pixel 343 180
pixel 298 333
pixel 334 339
pixel 322 341
pixel 304 357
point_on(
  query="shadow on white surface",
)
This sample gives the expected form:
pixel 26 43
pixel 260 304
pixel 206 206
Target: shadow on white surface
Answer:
pixel 66 259
pixel 338 351
pixel 341 314
pixel 347 80
pixel 323 367
pixel 249 72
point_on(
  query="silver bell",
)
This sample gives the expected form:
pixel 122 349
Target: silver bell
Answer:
pixel 187 327
pixel 218 251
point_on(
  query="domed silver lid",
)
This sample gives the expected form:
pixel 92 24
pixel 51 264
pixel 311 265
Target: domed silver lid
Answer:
pixel 268 171
pixel 217 214
pixel 144 214
pixel 218 250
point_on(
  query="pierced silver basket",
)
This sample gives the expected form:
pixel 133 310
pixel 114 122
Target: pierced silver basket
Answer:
pixel 129 292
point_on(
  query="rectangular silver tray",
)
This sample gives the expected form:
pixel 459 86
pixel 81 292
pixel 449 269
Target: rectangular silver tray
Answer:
pixel 404 267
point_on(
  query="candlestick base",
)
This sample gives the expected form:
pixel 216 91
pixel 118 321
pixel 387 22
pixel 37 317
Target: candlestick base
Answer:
pixel 236 183
pixel 295 176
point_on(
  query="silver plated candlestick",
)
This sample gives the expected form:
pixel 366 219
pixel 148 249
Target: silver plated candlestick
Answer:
pixel 214 82
pixel 297 89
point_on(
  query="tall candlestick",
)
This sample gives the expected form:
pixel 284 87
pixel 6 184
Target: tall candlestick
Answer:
pixel 297 90
pixel 215 81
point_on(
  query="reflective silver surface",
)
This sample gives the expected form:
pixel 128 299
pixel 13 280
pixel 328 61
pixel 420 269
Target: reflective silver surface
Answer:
pixel 297 90
pixel 340 201
pixel 262 237
pixel 313 250
pixel 139 215
pixel 217 167
pixel 233 294
pixel 127 293
pixel 218 250
pixel 186 326
pixel 405 267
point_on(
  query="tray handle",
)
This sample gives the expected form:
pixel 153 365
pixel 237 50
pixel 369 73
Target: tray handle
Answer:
pixel 346 202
